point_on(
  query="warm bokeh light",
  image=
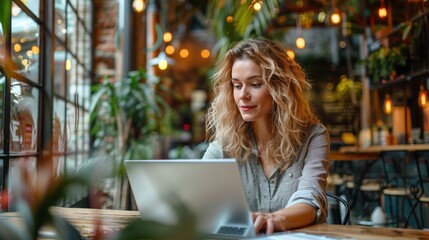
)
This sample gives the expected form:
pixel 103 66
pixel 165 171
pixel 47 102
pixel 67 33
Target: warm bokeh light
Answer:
pixel 342 44
pixel 184 53
pixel 35 49
pixel 205 53
pixel 169 49
pixel 335 18
pixel 290 53
pixel 17 47
pixel 229 19
pixel 68 65
pixel 423 97
pixel 29 53
pixel 257 6
pixel 321 17
pixel 139 5
pixel 382 12
pixel 163 64
pixel 167 37
pixel 387 106
pixel 300 42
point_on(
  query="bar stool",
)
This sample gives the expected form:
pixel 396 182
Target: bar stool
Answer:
pixel 399 173
pixel 420 189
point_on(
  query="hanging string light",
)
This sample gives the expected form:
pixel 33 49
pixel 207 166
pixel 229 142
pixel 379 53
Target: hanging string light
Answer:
pixel 387 106
pixel 300 41
pixel 423 97
pixel 139 5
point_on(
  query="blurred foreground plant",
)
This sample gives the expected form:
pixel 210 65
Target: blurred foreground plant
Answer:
pixel 34 203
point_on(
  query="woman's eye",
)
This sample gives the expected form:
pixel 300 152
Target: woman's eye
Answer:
pixel 236 86
pixel 257 85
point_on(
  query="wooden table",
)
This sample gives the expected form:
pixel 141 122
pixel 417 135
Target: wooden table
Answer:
pixel 85 220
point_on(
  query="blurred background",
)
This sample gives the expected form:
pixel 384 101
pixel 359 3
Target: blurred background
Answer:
pixel 83 81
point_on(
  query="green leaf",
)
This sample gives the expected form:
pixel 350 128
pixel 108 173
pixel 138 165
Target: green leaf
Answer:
pixel 5 8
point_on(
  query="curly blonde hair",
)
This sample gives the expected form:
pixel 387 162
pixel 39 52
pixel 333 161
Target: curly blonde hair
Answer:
pixel 286 83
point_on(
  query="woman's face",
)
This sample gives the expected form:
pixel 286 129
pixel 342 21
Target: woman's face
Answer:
pixel 250 93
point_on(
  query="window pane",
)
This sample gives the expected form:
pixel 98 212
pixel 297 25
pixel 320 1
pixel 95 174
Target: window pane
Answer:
pixel 24 117
pixel 17 168
pixel 60 19
pixel 72 81
pixel 1 180
pixel 58 131
pixel 33 5
pixel 71 127
pixel 88 53
pixel 60 70
pixel 72 30
pixel 86 7
pixel 2 82
pixel 25 46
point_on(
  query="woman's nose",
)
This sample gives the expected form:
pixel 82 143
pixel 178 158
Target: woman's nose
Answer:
pixel 244 94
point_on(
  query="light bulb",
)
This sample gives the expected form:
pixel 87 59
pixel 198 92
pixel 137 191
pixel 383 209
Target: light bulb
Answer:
pixel 300 42
pixel 423 97
pixel 139 5
pixel 387 104
pixel 382 12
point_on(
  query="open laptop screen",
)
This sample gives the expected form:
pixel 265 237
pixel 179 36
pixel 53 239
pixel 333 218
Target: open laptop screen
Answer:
pixel 211 189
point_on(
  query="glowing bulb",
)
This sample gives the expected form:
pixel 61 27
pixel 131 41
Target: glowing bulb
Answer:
pixel 300 42
pixel 205 53
pixel 163 64
pixel 17 47
pixel 139 5
pixel 387 104
pixel 184 53
pixel 257 6
pixel 335 18
pixel 167 37
pixel 423 97
pixel 169 49
pixel 68 65
pixel 382 12
pixel 35 49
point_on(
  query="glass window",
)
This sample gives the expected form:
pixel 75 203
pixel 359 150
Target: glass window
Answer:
pixel 58 131
pixel 33 5
pixel 17 168
pixel 24 117
pixel 25 46
pixel 60 69
pixel 71 68
pixel 71 127
pixel 60 19
pixel 72 26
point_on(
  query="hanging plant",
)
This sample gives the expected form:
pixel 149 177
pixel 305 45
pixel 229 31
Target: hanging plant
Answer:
pixel 382 63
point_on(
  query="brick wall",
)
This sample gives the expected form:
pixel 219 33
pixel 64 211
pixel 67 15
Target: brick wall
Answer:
pixel 105 26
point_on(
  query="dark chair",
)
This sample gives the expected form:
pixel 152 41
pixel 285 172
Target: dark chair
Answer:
pixel 400 172
pixel 420 189
pixel 339 208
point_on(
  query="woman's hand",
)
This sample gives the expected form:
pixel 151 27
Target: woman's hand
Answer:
pixel 295 216
pixel 268 222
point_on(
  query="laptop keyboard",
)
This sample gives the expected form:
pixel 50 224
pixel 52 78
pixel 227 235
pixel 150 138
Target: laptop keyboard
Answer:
pixel 231 230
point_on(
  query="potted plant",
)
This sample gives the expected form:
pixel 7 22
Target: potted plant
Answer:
pixel 382 64
pixel 128 116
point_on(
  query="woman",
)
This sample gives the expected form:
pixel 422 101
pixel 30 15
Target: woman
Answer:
pixel 260 116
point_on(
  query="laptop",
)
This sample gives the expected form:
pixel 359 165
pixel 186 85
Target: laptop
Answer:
pixel 210 188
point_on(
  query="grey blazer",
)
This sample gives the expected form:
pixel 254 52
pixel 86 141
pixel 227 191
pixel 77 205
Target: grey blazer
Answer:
pixel 303 182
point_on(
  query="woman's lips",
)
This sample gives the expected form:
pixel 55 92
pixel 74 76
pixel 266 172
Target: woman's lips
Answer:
pixel 246 108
